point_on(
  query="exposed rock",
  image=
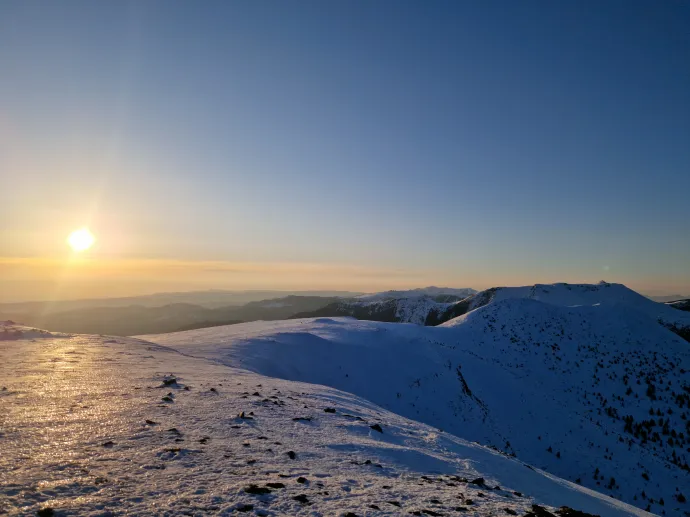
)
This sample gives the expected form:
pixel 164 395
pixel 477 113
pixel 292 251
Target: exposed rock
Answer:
pixel 256 490
pixel 539 511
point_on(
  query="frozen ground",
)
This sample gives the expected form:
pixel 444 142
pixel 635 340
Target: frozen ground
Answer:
pixel 97 426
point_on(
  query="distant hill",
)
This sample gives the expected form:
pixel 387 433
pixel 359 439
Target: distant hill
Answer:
pixel 139 319
pixel 213 298
pixel 121 321
pixel 142 318
pixel 668 298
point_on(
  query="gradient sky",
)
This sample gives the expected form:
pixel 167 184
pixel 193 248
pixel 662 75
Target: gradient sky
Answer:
pixel 357 144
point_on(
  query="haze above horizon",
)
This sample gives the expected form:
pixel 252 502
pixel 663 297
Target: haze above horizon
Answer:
pixel 358 146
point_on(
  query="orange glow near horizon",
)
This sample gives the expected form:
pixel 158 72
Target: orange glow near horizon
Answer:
pixel 83 275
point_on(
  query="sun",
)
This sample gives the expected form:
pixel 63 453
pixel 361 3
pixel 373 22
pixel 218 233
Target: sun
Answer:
pixel 81 239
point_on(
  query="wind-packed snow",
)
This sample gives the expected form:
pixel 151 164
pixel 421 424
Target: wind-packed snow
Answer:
pixel 595 393
pixel 117 426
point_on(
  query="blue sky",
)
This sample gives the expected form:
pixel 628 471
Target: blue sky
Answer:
pixel 474 143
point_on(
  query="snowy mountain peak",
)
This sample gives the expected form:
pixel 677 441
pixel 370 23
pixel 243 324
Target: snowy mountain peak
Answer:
pixel 574 295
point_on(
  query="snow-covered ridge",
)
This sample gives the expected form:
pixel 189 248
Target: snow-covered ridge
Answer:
pixel 570 295
pixel 426 309
pixel 93 424
pixel 573 295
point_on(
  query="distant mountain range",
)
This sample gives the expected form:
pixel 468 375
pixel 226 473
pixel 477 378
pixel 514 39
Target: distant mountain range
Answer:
pixel 137 319
pixel 213 298
pixel 668 298
pixel 177 311
pixel 427 306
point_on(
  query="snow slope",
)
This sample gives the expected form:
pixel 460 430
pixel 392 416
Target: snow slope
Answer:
pixel 101 426
pixel 566 389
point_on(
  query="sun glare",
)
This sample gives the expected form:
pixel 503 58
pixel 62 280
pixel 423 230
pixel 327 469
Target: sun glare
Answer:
pixel 81 239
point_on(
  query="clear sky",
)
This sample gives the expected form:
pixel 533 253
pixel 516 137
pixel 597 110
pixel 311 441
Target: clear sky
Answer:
pixel 358 144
